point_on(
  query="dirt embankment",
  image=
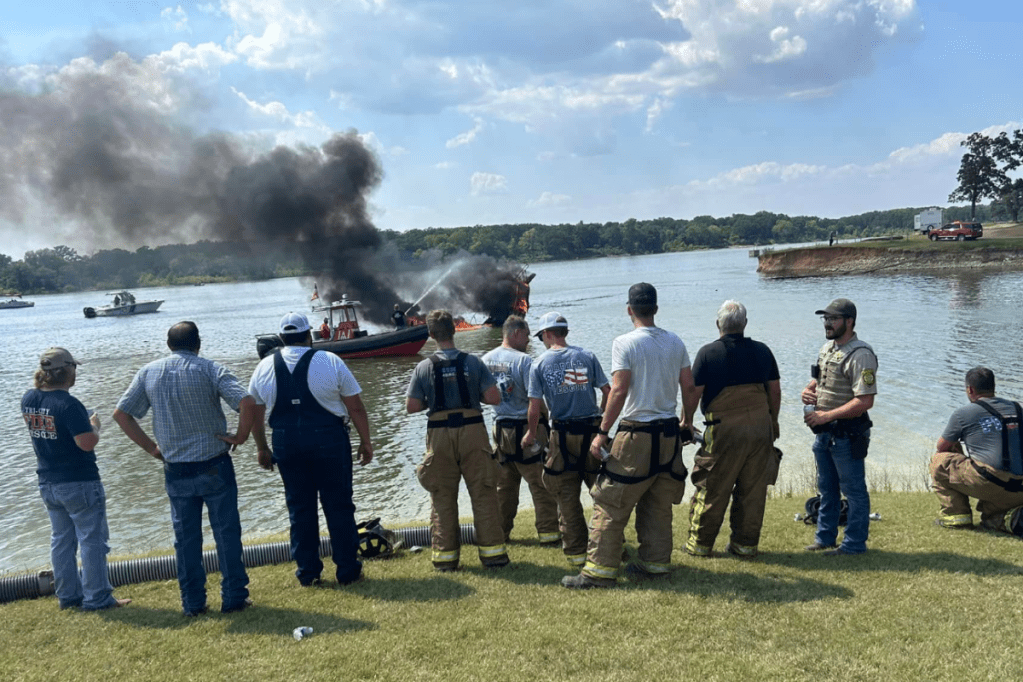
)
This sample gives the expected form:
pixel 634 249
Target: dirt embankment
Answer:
pixel 829 261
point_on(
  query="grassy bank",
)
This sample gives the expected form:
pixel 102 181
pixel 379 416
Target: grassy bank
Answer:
pixel 923 604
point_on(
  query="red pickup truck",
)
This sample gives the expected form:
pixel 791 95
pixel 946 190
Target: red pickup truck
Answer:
pixel 960 230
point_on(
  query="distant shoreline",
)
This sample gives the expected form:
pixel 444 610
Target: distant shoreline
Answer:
pixel 1001 249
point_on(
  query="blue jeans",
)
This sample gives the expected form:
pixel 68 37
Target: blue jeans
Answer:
pixel 78 518
pixel 325 472
pixel 189 486
pixel 838 472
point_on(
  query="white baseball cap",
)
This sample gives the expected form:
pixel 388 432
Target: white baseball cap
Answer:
pixel 294 323
pixel 551 321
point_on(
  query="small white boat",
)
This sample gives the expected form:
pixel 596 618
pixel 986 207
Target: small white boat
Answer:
pixel 16 303
pixel 124 304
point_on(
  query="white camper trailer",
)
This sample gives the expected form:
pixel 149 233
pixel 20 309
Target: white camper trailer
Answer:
pixel 927 220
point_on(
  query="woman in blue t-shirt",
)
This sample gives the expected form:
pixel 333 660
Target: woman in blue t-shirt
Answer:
pixel 64 435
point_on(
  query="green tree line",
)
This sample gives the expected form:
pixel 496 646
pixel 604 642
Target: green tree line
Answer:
pixel 62 269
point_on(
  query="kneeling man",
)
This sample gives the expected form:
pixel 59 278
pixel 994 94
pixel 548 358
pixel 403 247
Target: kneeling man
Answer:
pixel 991 468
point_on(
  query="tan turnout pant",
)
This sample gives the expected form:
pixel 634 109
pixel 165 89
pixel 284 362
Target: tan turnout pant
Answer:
pixel 732 465
pixel 613 502
pixel 565 486
pixel 956 478
pixel 451 455
pixel 506 440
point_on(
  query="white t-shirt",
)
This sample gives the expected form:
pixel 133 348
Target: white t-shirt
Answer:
pixel 329 379
pixel 655 357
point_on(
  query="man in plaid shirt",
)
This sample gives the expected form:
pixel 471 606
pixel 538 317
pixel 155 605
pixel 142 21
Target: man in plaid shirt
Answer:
pixel 184 392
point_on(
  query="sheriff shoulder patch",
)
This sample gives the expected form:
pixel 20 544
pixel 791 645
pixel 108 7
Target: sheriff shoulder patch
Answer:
pixel 868 377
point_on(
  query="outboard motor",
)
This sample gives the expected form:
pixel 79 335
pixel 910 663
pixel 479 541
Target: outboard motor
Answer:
pixel 89 312
pixel 264 344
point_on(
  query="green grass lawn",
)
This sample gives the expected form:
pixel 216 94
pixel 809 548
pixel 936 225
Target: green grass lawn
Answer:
pixel 923 604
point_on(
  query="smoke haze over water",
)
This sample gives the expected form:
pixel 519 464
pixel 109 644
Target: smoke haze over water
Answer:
pixel 100 151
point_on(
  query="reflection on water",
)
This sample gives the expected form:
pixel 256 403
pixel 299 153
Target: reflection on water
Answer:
pixel 927 331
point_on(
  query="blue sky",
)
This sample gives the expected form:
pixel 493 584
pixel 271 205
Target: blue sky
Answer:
pixel 536 111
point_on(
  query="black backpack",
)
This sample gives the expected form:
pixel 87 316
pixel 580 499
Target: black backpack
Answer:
pixel 813 508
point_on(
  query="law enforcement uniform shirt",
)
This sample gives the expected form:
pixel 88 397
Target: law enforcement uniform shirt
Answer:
pixel 847 371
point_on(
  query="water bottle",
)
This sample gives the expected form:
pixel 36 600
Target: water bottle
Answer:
pixel 534 449
pixel 301 632
pixel 605 454
pixel 808 409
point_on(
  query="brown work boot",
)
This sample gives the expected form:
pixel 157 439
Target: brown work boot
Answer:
pixel 817 547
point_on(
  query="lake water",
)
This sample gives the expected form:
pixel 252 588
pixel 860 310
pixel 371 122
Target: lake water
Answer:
pixel 927 331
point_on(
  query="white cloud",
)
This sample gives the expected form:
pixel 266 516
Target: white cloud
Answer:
pixel 548 199
pixel 466 137
pixel 303 119
pixel 445 165
pixel 176 18
pixel 182 57
pixel 760 173
pixel 487 183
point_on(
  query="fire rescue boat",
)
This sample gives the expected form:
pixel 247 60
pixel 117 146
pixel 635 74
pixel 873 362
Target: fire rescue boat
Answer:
pixel 341 335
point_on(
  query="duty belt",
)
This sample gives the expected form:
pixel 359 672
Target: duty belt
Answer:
pixel 454 421
pixel 657 429
pixel 520 426
pixel 846 428
pixel 586 428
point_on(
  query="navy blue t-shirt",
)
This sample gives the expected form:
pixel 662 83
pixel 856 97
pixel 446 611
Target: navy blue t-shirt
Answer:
pixel 732 360
pixel 54 418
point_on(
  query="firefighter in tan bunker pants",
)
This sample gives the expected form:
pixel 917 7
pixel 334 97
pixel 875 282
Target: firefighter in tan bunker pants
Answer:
pixel 450 386
pixel 739 390
pixel 644 469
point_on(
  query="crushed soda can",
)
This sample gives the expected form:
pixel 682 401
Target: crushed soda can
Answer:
pixel 798 517
pixel 875 516
pixel 301 632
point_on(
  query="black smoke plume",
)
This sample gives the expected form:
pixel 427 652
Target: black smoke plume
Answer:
pixel 106 149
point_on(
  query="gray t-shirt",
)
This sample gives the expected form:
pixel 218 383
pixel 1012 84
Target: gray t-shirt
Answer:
pixel 566 378
pixel 511 371
pixel 655 357
pixel 478 377
pixel 979 431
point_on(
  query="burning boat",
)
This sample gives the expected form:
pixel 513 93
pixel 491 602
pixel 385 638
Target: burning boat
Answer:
pixel 514 302
pixel 344 337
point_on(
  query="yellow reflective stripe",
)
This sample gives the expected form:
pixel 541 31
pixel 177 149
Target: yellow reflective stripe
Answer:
pixel 699 506
pixel 708 434
pixel 744 550
pixel 596 571
pixel 576 559
pixel 492 550
pixel 444 556
pixel 549 537
pixel 957 519
pixel 698 550
pixel 652 567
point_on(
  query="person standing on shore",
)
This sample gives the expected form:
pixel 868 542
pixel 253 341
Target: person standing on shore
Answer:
pixel 510 365
pixel 739 391
pixel 842 389
pixel 644 469
pixel 565 378
pixel 450 385
pixel 64 437
pixel 991 468
pixel 311 395
pixel 184 391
